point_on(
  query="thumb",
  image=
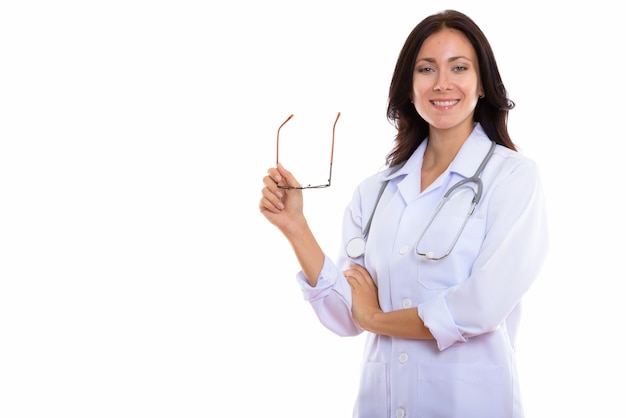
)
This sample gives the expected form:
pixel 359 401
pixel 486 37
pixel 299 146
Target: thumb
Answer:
pixel 287 176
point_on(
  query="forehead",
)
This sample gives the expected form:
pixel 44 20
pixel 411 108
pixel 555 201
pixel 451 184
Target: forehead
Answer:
pixel 446 43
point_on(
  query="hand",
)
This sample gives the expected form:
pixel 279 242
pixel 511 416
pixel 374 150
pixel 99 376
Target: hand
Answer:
pixel 282 207
pixel 365 303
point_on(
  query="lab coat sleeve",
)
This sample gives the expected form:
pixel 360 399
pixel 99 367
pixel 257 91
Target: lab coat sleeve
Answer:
pixel 331 299
pixel 510 258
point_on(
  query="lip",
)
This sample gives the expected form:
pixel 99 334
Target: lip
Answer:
pixel 444 103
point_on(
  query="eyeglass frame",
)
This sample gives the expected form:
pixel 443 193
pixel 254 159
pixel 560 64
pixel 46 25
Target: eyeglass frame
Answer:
pixel 332 152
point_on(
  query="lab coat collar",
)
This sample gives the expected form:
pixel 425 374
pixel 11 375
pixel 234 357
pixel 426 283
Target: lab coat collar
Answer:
pixel 472 153
pixel 465 163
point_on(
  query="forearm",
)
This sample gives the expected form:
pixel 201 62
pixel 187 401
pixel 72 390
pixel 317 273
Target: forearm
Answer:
pixel 403 323
pixel 366 311
pixel 307 250
pixel 283 208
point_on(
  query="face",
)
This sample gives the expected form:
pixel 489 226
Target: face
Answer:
pixel 446 81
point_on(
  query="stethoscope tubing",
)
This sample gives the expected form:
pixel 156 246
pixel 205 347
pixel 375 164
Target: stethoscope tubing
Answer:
pixel 355 247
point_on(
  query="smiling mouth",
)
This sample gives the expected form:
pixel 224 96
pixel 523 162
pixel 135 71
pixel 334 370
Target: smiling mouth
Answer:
pixel 444 102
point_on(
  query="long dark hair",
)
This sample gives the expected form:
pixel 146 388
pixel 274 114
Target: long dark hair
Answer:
pixel 491 111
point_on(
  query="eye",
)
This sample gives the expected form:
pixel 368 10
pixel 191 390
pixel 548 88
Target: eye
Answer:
pixel 425 70
pixel 459 68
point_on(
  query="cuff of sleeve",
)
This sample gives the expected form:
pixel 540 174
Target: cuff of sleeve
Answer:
pixel 436 317
pixel 325 281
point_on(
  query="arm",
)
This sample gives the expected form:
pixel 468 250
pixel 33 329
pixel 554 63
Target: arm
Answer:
pixel 403 323
pixel 509 260
pixel 321 283
pixel 283 208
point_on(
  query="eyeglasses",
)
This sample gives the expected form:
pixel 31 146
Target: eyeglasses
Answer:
pixel 332 150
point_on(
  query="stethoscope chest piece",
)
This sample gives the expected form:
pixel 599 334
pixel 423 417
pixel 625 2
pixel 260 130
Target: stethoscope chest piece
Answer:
pixel 355 248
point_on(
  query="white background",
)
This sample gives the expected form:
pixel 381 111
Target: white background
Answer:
pixel 137 277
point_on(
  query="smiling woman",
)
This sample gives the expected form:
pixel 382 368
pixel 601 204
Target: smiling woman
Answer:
pixel 440 321
pixel 137 277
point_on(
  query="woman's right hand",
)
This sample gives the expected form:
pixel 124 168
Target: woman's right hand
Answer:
pixel 282 207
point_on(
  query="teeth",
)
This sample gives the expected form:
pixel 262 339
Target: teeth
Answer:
pixel 444 103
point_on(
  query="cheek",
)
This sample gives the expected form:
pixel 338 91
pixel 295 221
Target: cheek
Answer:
pixel 422 108
pixel 473 86
pixel 415 96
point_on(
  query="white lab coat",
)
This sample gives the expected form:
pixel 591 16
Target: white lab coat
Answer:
pixel 469 300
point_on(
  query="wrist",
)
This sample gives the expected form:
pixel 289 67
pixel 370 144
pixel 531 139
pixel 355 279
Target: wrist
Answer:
pixel 369 322
pixel 295 229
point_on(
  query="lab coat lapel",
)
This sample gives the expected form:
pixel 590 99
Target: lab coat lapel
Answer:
pixel 465 163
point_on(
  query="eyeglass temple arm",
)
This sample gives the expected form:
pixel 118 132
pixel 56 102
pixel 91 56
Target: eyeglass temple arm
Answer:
pixel 278 135
pixel 332 149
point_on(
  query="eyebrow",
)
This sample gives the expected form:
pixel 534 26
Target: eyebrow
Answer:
pixel 451 59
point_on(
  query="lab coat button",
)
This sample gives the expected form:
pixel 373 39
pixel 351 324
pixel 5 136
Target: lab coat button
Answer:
pixel 404 249
pixel 404 357
pixel 400 413
pixel 406 303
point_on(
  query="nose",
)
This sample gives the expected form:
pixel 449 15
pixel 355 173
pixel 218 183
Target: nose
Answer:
pixel 441 83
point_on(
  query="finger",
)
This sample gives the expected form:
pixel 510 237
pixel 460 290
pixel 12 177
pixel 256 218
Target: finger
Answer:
pixel 272 185
pixel 357 270
pixel 352 282
pixel 361 275
pixel 266 205
pixel 270 199
pixel 271 196
pixel 287 176
pixel 353 277
pixel 274 175
pixel 358 267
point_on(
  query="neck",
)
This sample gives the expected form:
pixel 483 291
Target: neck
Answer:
pixel 443 145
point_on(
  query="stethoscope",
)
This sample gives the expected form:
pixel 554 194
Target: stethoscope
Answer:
pixel 355 247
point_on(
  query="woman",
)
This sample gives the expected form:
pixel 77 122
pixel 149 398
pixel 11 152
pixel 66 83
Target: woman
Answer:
pixel 441 309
